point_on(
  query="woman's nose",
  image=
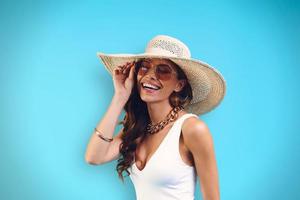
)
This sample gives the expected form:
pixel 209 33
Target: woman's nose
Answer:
pixel 151 73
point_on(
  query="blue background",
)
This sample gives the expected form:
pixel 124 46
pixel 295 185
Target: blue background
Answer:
pixel 54 90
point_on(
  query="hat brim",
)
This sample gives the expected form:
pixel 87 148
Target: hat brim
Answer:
pixel 207 83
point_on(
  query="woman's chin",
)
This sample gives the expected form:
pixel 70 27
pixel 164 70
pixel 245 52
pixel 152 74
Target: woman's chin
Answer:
pixel 149 98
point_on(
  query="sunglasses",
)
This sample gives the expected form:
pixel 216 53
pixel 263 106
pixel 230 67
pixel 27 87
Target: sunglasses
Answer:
pixel 162 71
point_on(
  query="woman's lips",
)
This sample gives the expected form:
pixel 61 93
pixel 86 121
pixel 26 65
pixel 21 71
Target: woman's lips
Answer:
pixel 147 90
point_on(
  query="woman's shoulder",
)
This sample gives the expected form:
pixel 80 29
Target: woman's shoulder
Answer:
pixel 196 133
pixel 193 124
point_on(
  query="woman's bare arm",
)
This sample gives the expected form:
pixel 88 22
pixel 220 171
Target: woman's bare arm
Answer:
pixel 199 141
pixel 99 151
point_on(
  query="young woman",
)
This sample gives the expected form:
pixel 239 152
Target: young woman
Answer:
pixel 163 145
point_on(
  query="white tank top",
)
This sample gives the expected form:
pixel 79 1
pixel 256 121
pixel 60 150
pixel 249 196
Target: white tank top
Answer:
pixel 166 176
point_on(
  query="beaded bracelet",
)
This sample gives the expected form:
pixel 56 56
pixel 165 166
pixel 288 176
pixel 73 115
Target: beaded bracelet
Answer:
pixel 103 138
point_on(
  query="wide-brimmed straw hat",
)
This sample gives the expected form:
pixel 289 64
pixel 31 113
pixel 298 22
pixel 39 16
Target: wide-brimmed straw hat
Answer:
pixel 207 83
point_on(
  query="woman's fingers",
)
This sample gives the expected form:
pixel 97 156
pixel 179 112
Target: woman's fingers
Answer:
pixel 119 70
pixel 127 68
pixel 131 72
pixel 125 71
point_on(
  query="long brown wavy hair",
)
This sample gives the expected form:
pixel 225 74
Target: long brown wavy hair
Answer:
pixel 137 117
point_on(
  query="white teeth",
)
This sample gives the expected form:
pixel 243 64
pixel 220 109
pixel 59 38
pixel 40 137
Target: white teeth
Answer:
pixel 151 86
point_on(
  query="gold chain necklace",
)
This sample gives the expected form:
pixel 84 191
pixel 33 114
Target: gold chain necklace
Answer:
pixel 172 116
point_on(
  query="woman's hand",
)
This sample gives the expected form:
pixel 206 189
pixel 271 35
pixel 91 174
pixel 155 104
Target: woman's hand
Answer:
pixel 123 80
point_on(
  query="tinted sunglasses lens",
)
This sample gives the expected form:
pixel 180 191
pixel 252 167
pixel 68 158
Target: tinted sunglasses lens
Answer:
pixel 164 72
pixel 141 68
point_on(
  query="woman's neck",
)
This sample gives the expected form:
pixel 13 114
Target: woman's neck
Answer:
pixel 158 111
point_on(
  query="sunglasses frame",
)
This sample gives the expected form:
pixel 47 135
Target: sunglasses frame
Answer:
pixel 159 75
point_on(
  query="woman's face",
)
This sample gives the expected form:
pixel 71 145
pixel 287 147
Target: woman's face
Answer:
pixel 160 73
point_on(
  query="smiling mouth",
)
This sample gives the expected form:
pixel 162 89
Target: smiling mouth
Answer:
pixel 150 86
pixel 149 89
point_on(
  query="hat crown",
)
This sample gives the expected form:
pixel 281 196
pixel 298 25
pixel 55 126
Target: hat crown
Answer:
pixel 169 46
